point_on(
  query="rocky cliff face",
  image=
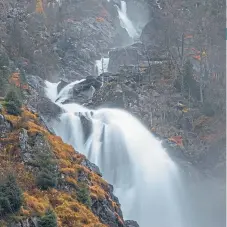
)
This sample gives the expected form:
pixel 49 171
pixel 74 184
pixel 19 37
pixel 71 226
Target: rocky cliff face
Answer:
pixel 27 141
pixel 60 40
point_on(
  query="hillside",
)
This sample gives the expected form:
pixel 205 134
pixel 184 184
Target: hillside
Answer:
pixel 51 176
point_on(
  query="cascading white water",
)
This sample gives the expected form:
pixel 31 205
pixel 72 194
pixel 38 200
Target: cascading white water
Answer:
pixel 145 179
pixel 102 65
pixel 126 22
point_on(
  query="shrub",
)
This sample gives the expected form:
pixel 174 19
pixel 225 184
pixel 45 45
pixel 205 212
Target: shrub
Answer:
pixel 10 196
pixel 83 195
pixel 3 81
pixel 48 220
pixel 13 103
pixel 12 108
pixel 47 177
pixel 12 96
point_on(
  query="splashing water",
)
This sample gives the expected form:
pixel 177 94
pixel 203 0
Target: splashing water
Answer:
pixel 126 22
pixel 145 179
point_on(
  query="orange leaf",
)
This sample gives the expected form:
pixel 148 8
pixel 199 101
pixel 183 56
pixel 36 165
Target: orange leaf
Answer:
pixel 100 19
pixel 178 140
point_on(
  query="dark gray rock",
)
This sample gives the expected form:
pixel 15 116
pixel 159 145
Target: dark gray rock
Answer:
pixel 87 126
pixel 36 83
pixel 5 126
pixel 91 166
pixel 62 84
pixel 30 222
pixel 84 91
pixel 23 140
pixel 130 223
pixel 106 215
pixel 130 55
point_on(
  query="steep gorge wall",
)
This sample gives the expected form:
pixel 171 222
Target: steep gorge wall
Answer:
pixel 63 40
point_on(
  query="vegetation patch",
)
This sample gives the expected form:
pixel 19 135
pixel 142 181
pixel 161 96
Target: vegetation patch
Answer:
pixel 10 196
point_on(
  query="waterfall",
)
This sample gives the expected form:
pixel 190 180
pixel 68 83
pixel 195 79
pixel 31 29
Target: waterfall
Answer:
pixel 126 22
pixel 102 65
pixel 145 179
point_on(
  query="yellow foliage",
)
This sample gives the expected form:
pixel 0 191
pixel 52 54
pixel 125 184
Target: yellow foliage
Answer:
pixel 13 119
pixel 3 223
pixel 100 19
pixel 71 181
pixel 97 192
pixel 36 204
pixel 185 110
pixel 69 171
pixel 39 6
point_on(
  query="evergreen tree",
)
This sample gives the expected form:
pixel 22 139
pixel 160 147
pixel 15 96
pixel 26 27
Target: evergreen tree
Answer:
pixel 83 195
pixel 10 196
pixel 48 220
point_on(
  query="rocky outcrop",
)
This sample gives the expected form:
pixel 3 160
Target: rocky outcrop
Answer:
pixel 83 91
pixel 37 101
pixel 131 223
pixel 131 55
pixel 30 222
pixel 91 166
pixel 33 143
pixel 5 126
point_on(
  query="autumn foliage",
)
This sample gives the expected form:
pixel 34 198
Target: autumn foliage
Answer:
pixel 71 207
pixel 39 6
pixel 15 79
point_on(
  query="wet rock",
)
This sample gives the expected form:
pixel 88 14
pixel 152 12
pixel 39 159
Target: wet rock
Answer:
pixel 48 109
pixel 91 166
pixel 61 85
pixel 130 223
pixel 105 214
pixel 87 126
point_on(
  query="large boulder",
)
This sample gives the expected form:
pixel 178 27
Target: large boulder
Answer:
pixel 130 55
pixel 83 91
pixel 106 213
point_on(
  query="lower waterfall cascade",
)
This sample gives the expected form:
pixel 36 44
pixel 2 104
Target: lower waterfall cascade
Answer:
pixel 129 157
pixel 145 179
